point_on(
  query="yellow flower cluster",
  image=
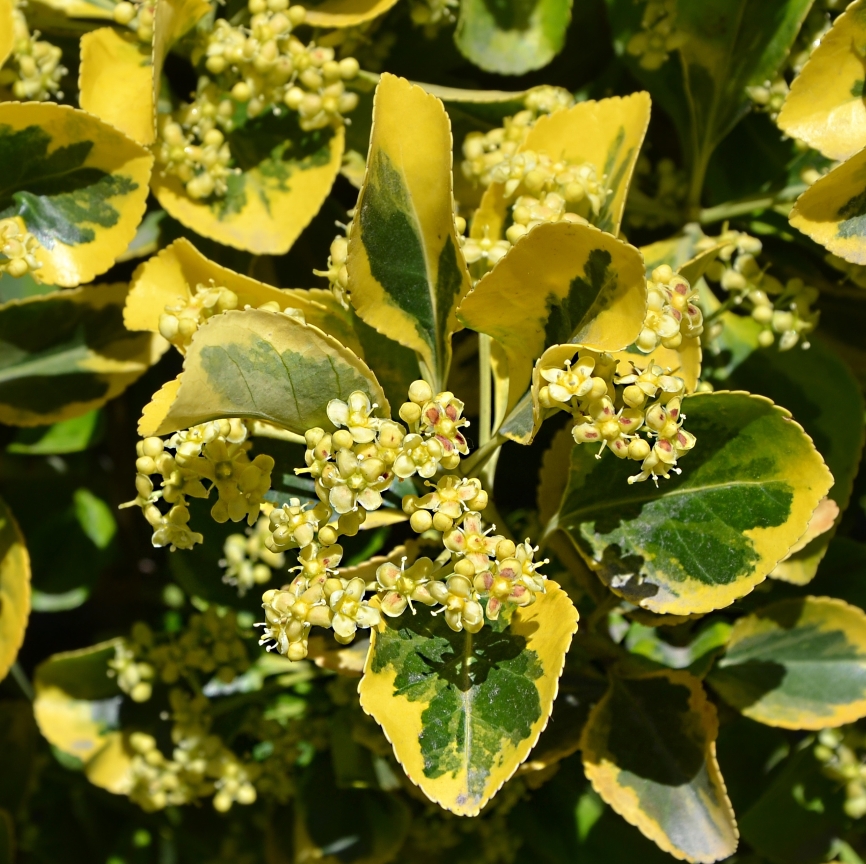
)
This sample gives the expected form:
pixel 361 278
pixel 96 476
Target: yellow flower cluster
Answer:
pixel 139 16
pixel 34 69
pixel 18 248
pixel 216 453
pixel 247 557
pixel 841 754
pixel 614 410
pixel 781 310
pixel 658 35
pixel 337 273
pixel 432 15
pixel 672 311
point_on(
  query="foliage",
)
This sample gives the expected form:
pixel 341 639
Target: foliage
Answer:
pixel 521 521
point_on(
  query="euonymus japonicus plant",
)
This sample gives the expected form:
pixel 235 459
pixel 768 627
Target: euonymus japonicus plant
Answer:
pixel 591 341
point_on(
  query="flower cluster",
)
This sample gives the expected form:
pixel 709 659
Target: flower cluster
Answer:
pixel 841 754
pixel 672 311
pixel 337 273
pixel 34 69
pixel 18 249
pixel 781 310
pixel 216 453
pixel 138 16
pixel 614 410
pixel 248 559
pixel 658 35
pixel 433 15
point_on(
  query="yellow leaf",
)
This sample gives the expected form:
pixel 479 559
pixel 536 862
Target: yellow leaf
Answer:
pixel 262 366
pixel 801 565
pixel 6 19
pixel 406 271
pixel 608 134
pixel 825 107
pixel 649 750
pixel 346 13
pixel 833 211
pixel 562 282
pixel 460 729
pixel 268 203
pixel 85 210
pixel 14 590
pixel 110 767
pixel 102 10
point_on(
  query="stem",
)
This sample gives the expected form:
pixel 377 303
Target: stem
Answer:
pixel 485 389
pixel 22 681
pixel 268 430
pixel 748 205
pixel 720 310
pixel 473 465
pixel 696 186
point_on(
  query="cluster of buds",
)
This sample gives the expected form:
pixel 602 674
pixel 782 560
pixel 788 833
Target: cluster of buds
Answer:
pixel 672 313
pixel 18 248
pixel 138 16
pixel 782 310
pixel 248 558
pixel 433 15
pixel 216 453
pixel 134 677
pixel 658 35
pixel 614 410
pixel 34 69
pixel 527 212
pixel 841 754
pixel 337 273
pixel 484 153
pixel 769 96
pixel 486 251
pixel 180 321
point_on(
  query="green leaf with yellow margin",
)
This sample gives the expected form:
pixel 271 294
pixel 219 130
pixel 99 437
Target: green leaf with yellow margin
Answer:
pixel 562 282
pixel 512 38
pixel 119 76
pixel 707 537
pixel 345 13
pixel 825 107
pixel 464 711
pixel 170 277
pixel 6 23
pixel 14 589
pixel 798 664
pixel 406 271
pixel 77 704
pixel 649 750
pixel 285 177
pixel 65 353
pixel 261 366
pixel 833 211
pixel 608 134
pixel 78 185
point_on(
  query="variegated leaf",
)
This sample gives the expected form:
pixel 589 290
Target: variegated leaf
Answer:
pixel 14 589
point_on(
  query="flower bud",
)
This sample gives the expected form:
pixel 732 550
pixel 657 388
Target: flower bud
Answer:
pixel 421 521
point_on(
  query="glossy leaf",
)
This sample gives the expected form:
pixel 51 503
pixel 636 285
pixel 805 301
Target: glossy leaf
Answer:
pixel 345 13
pixel 286 174
pixel 78 184
pixel 406 271
pixel 593 291
pixel 512 38
pixel 6 39
pixel 705 538
pixel 825 107
pixel 102 10
pixel 14 589
pixel 65 353
pixel 262 366
pixel 833 211
pixel 649 751
pixel 463 711
pixel 798 664
pixel 170 277
pixel 608 134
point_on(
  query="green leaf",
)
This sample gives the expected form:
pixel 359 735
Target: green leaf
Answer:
pixel 463 711
pixel 68 436
pixel 78 184
pixel 262 366
pixel 798 664
pixel 514 37
pixel 14 589
pixel 406 271
pixel 66 353
pixel 649 750
pixel 701 540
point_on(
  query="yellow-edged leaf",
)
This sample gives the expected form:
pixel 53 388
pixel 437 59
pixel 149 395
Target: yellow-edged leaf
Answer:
pixel 14 589
pixel 608 134
pixel 562 282
pixel 346 13
pixel 825 107
pixel 464 711
pixel 798 664
pixel 406 271
pixel 833 211
pixel 285 177
pixel 801 565
pixel 649 750
pixel 78 184
pixel 102 10
pixel 6 38
pixel 65 353
pixel 262 366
